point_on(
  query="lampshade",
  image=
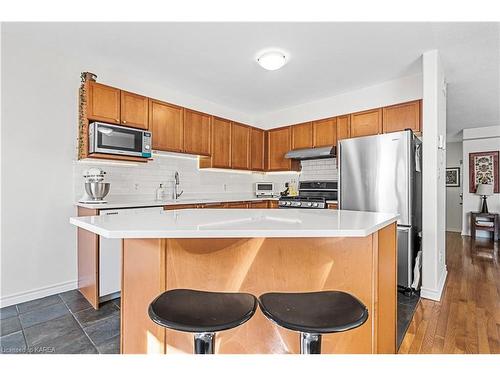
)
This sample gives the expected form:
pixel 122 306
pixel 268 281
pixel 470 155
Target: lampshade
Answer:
pixel 484 189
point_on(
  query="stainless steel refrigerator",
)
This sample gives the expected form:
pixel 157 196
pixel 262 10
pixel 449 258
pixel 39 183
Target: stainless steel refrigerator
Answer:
pixel 383 173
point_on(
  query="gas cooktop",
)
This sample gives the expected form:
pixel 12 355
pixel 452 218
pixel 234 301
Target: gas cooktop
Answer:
pixel 312 194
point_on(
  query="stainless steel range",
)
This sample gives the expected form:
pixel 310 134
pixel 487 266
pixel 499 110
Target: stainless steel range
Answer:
pixel 312 194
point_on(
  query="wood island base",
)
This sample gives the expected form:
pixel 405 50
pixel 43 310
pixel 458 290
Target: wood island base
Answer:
pixel 363 266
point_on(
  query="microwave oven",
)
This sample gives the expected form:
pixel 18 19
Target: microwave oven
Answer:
pixel 119 140
pixel 264 189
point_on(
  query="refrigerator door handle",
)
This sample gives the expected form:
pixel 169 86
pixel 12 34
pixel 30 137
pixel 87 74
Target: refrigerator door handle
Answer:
pixel 418 157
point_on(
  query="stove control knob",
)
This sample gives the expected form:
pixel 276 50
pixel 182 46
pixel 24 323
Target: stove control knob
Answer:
pixel 309 204
pixel 315 205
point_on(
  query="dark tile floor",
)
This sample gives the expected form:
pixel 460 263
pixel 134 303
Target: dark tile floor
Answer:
pixel 62 323
pixel 66 323
pixel 406 308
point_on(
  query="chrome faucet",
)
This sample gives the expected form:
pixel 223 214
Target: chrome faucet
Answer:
pixel 176 186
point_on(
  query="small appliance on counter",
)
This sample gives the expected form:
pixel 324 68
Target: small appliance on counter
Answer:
pixel 312 194
pixel 95 188
pixel 264 189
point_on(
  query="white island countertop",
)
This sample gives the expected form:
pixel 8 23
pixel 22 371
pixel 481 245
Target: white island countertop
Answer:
pixel 237 223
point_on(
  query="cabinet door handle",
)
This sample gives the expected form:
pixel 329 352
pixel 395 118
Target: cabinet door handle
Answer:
pixel 117 119
pixel 124 121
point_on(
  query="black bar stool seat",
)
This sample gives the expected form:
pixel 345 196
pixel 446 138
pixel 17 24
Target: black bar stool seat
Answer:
pixel 202 313
pixel 313 314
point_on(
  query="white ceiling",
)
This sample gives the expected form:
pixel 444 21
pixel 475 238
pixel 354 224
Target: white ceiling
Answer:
pixel 215 61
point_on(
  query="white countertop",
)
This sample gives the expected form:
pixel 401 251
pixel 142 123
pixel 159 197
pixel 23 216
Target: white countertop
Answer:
pixel 237 223
pixel 140 201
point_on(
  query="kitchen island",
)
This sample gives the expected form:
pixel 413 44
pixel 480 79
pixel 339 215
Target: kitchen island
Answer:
pixel 255 251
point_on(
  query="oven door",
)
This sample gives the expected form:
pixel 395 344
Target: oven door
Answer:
pixel 110 139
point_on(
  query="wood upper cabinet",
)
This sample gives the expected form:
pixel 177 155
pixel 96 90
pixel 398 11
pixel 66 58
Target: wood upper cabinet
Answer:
pixel 256 149
pixel 366 123
pixel 240 146
pixel 278 144
pixel 166 126
pixel 402 116
pixel 134 110
pixel 325 132
pixel 302 135
pixel 103 103
pixel 343 127
pixel 221 143
pixel 197 130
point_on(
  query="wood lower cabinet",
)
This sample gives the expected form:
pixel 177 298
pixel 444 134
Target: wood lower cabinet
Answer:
pixel 88 261
pixel 366 123
pixel 261 204
pixel 240 146
pixel 272 204
pixel 212 205
pixel 237 205
pixel 332 206
pixel 278 144
pixel 134 110
pixel 166 124
pixel 256 149
pixel 343 127
pixel 197 130
pixel 402 116
pixel 221 145
pixel 180 206
pixel 103 103
pixel 325 132
pixel 302 135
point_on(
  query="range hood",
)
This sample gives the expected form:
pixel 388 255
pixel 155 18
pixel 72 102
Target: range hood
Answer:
pixel 312 153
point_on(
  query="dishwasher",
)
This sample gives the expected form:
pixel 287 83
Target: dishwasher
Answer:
pixel 110 256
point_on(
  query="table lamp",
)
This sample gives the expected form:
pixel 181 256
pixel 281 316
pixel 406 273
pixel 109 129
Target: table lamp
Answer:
pixel 484 190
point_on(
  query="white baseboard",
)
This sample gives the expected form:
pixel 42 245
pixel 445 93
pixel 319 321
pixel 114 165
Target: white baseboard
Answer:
pixel 435 294
pixel 456 230
pixel 14 299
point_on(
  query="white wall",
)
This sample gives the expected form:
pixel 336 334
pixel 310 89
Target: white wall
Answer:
pixel 453 200
pixel 478 140
pixel 380 95
pixel 434 166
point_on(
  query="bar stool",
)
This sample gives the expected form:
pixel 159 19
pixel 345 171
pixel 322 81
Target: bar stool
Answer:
pixel 313 314
pixel 202 313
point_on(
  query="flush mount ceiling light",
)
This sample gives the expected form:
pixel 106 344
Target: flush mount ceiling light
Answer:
pixel 272 60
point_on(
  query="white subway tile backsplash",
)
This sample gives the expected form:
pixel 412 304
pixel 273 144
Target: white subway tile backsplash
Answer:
pixel 319 169
pixel 143 179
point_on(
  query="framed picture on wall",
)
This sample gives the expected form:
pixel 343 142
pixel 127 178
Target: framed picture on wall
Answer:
pixel 483 168
pixel 453 177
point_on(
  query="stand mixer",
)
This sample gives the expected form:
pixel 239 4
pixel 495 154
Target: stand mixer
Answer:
pixel 95 188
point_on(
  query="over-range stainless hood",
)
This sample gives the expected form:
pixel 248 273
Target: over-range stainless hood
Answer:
pixel 312 153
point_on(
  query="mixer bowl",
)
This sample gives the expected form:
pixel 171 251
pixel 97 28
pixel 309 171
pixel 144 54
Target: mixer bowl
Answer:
pixel 97 190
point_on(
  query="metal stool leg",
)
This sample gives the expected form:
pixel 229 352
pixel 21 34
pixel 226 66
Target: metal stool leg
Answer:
pixel 310 343
pixel 204 343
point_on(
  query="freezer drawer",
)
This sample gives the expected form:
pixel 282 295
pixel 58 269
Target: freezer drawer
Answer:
pixel 406 255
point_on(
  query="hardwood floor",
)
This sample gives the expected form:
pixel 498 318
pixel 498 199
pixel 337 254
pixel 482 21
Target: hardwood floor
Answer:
pixel 467 319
